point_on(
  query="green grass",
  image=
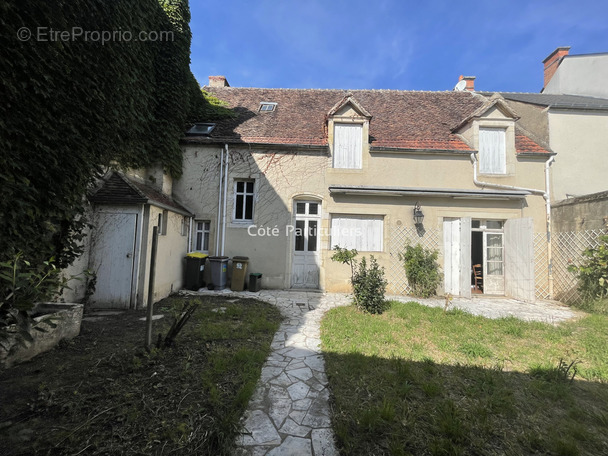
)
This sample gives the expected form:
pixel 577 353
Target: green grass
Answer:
pixel 418 380
pixel 102 394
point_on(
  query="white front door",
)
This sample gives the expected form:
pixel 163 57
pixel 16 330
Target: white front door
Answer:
pixel 112 258
pixel 306 265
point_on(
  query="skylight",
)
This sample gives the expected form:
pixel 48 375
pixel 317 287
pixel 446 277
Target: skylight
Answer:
pixel 201 129
pixel 267 106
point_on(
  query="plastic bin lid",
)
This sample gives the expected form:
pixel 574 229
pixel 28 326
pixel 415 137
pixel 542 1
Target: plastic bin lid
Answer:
pixel 240 258
pixel 197 255
pixel 219 258
pixel 256 274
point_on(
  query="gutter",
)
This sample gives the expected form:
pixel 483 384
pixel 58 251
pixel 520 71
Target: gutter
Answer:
pixel 225 200
pixel 544 193
pixel 219 204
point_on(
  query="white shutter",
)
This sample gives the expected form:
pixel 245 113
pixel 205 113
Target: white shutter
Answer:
pixel 519 259
pixel 364 233
pixel 492 151
pixel 348 145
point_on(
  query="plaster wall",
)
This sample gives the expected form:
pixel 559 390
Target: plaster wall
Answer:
pixel 581 75
pixel 580 140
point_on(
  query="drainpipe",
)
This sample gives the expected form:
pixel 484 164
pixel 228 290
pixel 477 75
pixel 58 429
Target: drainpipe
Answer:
pixel 219 204
pixel 549 240
pixel 225 200
pixel 544 193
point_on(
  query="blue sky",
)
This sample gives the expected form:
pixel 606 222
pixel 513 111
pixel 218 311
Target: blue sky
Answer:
pixel 389 44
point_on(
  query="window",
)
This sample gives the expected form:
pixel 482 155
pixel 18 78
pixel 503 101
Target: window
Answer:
pixel 492 151
pixel 348 145
pixel 201 129
pixel 202 230
pixel 267 106
pixel 243 200
pixel 162 222
pixel 361 232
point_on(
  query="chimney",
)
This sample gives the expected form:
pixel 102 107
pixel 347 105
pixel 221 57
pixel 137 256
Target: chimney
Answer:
pixel 218 81
pixel 470 80
pixel 552 62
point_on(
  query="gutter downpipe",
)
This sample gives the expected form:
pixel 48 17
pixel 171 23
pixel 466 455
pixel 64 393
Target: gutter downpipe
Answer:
pixel 225 200
pixel 219 204
pixel 546 194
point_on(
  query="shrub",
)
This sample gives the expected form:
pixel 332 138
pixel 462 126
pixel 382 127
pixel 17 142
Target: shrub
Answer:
pixel 592 273
pixel 421 269
pixel 369 286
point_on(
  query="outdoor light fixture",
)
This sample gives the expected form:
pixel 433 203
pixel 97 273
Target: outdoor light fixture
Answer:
pixel 418 215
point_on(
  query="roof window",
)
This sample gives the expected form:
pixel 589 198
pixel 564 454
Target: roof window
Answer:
pixel 267 106
pixel 201 129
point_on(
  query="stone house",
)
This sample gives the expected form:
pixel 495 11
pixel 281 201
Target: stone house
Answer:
pixel 296 172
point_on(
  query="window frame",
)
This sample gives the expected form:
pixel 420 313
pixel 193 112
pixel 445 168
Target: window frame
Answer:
pixel 205 235
pixel 163 218
pixel 359 152
pixel 483 152
pixel 244 194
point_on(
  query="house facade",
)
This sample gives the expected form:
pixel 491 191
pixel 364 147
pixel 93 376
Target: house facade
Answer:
pixel 296 172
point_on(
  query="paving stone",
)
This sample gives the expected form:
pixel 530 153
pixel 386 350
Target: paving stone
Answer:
pixel 323 442
pixel 298 415
pixel 292 428
pixel 293 446
pixel 283 380
pixel 303 374
pixel 296 352
pixel 298 391
pixel 302 404
pixel 269 373
pixel 260 430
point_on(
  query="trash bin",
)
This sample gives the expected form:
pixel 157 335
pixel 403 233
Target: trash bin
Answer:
pixel 255 281
pixel 219 265
pixel 195 267
pixel 239 272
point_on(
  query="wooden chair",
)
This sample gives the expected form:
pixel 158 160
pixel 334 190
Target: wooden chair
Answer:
pixel 478 275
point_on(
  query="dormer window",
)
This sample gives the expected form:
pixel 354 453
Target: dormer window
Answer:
pixel 492 151
pixel 267 106
pixel 348 145
pixel 201 129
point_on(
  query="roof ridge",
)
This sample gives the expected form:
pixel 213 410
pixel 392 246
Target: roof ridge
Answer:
pixel 339 90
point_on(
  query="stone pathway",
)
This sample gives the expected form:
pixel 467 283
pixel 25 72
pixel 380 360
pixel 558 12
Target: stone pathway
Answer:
pixel 288 413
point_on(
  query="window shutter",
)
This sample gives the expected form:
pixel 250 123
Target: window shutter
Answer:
pixel 364 233
pixel 492 151
pixel 348 143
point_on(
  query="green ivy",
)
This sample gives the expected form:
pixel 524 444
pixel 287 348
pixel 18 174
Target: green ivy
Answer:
pixel 72 108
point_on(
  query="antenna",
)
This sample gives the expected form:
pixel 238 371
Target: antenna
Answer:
pixel 460 86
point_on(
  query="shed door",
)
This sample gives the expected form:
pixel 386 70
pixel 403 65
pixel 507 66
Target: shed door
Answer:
pixel 519 259
pixel 112 258
pixel 457 256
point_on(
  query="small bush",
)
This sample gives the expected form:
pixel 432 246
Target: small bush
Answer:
pixel 369 286
pixel 421 269
pixel 592 273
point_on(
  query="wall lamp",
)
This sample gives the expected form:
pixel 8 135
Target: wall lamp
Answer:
pixel 418 215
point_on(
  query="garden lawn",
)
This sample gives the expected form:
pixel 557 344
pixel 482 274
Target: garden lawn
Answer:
pixel 418 380
pixel 101 393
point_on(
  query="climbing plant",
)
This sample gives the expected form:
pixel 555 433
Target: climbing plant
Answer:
pixel 74 105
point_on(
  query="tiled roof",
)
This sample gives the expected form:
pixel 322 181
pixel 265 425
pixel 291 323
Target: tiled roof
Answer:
pixel 525 145
pixel 418 120
pixel 409 120
pixel 559 101
pixel 119 189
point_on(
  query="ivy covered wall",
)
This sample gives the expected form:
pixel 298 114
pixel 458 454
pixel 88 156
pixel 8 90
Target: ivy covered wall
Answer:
pixel 72 104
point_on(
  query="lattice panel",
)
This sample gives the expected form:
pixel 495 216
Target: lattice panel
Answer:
pixel 568 249
pixel 399 236
pixel 541 266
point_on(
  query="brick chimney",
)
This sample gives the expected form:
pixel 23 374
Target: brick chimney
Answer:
pixel 218 81
pixel 552 62
pixel 470 80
